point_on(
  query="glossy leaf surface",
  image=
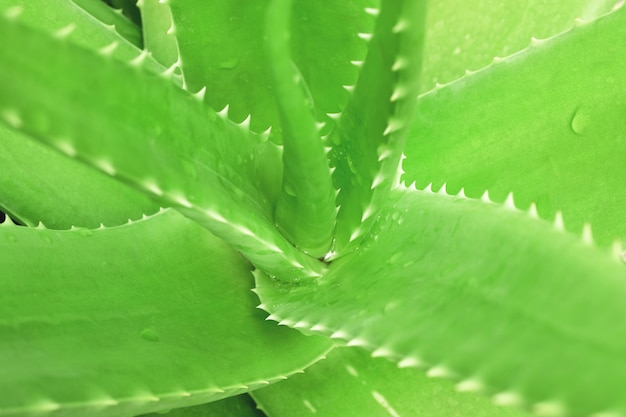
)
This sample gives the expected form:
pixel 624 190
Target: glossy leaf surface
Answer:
pixel 350 383
pixel 127 320
pixel 479 291
pixel 466 35
pixel 164 142
pixel 559 141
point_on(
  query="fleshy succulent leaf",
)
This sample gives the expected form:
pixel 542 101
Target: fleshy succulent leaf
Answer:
pixel 368 139
pixel 82 332
pixel 350 383
pixel 38 184
pixel 481 291
pixel 159 32
pixel 116 21
pixel 464 35
pixel 556 138
pixel 157 137
pixel 305 210
pixel 227 56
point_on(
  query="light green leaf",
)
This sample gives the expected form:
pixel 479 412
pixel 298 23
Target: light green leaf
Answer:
pixel 115 19
pixel 157 137
pixel 38 184
pixel 132 319
pixel 466 35
pixel 228 58
pixel 485 293
pixel 159 31
pixel 305 210
pixel 552 133
pixel 368 140
pixel 350 383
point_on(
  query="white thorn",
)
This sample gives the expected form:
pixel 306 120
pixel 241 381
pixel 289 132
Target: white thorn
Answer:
pixel 485 197
pixel 402 24
pixel 109 49
pixel 444 189
pixel 200 94
pixel 246 122
pixel 171 30
pixel 105 166
pixel 267 132
pixel 65 31
pixel 398 93
pixel 13 118
pixel 532 211
pixel 534 41
pixel 66 147
pixel 428 188
pixel 558 221
pixel 399 64
pixel 365 36
pixel 334 116
pixel 153 188
pixel 378 179
pixel 318 328
pixel 382 352
pixel 393 126
pixel 507 399
pixel 14 12
pixel 470 385
pixel 367 213
pixel 461 193
pixel 139 59
pixel 348 88
pixel 357 63
pixel 357 342
pixel 549 409
pixel 339 334
pixel 439 372
pixel 410 362
pixel 372 11
pixel 355 234
pixel 223 113
pixel 509 202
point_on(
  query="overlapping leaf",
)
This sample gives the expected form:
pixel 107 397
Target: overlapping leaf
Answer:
pixel 228 58
pixel 546 124
pixel 350 383
pixel 132 319
pixel 151 134
pixel 463 35
pixel 488 294
pixel 368 140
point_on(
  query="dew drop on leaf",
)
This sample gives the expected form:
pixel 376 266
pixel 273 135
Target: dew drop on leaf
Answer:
pixel 150 335
pixel 229 64
pixel 580 121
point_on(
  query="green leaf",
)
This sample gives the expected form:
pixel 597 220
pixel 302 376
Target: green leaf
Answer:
pixel 349 383
pixel 38 184
pixel 150 133
pixel 238 406
pixel 93 25
pixel 484 293
pixel 550 132
pixel 159 31
pixel 228 58
pixel 368 140
pixel 132 319
pixel 466 35
pixel 115 20
pixel 305 210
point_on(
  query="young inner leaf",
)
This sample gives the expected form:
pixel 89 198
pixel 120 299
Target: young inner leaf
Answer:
pixel 305 211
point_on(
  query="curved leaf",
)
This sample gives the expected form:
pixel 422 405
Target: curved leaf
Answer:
pixel 141 128
pixel 464 35
pixel 305 210
pixel 488 294
pixel 38 184
pixel 108 16
pixel 366 145
pixel 546 124
pixel 227 55
pixel 350 383
pixel 145 317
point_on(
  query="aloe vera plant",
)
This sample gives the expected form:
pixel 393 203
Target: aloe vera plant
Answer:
pixel 442 226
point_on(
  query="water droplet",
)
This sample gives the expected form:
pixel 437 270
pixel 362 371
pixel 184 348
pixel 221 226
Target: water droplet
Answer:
pixel 150 335
pixel 229 64
pixel 580 121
